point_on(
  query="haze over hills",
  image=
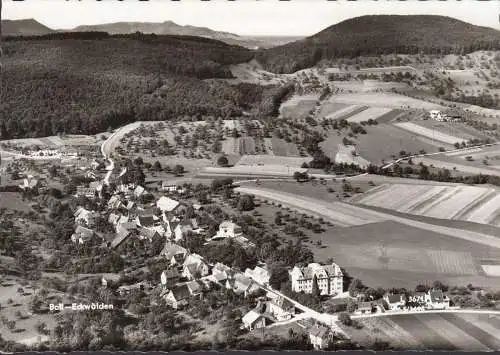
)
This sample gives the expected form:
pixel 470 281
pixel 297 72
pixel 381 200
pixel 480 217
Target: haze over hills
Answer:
pixel 381 34
pixel 31 27
pixel 28 27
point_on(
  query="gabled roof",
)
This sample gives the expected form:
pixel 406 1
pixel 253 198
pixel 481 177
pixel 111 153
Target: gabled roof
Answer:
pixel 148 233
pixel 84 232
pixel 283 303
pixel 180 292
pixel 436 295
pixel 194 287
pixel 146 221
pixel 319 331
pixel 393 298
pixel 167 204
pixel 251 317
pixel 121 236
pixel 172 249
pixel 171 273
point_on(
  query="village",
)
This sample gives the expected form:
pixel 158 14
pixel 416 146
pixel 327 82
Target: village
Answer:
pixel 166 218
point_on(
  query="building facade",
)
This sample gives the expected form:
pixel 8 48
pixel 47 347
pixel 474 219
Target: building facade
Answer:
pixel 329 277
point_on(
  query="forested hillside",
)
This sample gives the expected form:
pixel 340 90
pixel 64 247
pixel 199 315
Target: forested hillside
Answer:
pixel 87 82
pixel 381 34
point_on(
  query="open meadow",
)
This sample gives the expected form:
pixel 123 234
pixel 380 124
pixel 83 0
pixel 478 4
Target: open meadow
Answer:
pixel 441 331
pixel 384 141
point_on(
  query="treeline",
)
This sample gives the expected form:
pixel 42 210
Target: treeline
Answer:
pixel 380 35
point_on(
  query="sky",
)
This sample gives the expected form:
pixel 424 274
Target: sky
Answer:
pixel 243 17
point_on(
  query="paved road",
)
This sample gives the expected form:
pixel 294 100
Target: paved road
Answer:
pixel 430 311
pixel 358 211
pixel 465 150
pixel 109 145
pixel 325 318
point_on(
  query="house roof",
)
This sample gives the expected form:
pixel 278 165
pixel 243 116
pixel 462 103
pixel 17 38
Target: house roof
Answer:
pixel 139 190
pixel 146 221
pixel 319 331
pixel 167 204
pixel 283 303
pixel 171 273
pixel 221 267
pixel 192 268
pixel 436 295
pixel 365 305
pixel 393 298
pixel 194 286
pixel 172 249
pixel 121 236
pixel 251 317
pixel 180 292
pixel 84 232
pixel 194 259
pixel 148 233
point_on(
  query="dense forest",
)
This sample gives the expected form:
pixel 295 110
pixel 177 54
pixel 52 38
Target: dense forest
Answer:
pixel 87 82
pixel 378 35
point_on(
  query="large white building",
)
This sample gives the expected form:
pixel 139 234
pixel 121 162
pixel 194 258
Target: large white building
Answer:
pixel 330 278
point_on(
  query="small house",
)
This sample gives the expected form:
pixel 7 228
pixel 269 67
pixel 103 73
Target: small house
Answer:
pixel 170 277
pixel 365 308
pixel 178 296
pixel 436 299
pixel 395 301
pixel 174 253
pixel 166 204
pixel 85 217
pixel 82 235
pixel 320 336
pixel 195 271
pixel 254 320
pixel 259 275
pixel 281 308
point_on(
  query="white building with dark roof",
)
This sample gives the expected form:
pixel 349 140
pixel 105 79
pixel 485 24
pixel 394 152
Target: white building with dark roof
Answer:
pixel 329 277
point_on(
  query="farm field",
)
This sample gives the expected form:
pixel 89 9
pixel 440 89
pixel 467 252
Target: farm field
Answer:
pixel 327 108
pixel 265 160
pixel 436 331
pixel 430 133
pixel 385 140
pixel 389 100
pixel 298 106
pixel 454 129
pixel 468 203
pixel 370 113
pixel 347 112
pixel 336 213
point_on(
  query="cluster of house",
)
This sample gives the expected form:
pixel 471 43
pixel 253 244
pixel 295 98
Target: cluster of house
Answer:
pixel 391 302
pixel 188 274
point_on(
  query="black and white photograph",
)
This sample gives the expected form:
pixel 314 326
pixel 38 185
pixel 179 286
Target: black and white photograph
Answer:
pixel 303 175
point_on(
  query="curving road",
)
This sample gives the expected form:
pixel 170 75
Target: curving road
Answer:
pixel 109 145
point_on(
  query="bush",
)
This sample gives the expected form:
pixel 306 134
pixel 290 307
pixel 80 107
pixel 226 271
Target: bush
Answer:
pixel 345 319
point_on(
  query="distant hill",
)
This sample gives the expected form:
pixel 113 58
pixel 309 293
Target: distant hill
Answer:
pixel 28 27
pixel 381 34
pixel 172 28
